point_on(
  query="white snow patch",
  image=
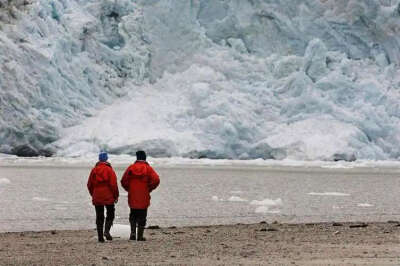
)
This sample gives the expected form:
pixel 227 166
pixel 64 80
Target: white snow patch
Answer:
pixel 121 230
pixel 236 192
pixel 336 194
pixel 237 199
pixel 4 181
pixel 365 205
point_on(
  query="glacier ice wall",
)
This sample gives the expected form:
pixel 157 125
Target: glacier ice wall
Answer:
pixel 60 60
pixel 301 79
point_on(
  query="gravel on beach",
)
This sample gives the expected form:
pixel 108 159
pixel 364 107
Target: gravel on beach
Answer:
pixel 261 244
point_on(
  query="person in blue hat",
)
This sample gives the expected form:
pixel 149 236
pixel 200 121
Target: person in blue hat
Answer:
pixel 103 187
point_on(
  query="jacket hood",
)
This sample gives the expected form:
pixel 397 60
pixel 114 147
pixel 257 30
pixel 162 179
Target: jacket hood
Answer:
pixel 101 171
pixel 139 168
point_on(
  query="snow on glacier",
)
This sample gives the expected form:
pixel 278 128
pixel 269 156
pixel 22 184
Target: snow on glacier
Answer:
pixel 280 79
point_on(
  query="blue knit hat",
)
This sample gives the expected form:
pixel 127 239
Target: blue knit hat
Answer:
pixel 103 156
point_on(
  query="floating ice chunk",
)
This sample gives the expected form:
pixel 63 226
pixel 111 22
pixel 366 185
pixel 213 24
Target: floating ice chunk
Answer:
pixel 266 209
pixel 215 198
pixel 337 194
pixel 267 205
pixel 237 199
pixel 40 199
pixel 4 181
pixel 120 230
pixel 365 205
pixel 267 202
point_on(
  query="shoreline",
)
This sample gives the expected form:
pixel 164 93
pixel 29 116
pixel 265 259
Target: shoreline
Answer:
pixel 349 243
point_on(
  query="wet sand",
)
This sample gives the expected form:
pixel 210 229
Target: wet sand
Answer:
pixel 262 243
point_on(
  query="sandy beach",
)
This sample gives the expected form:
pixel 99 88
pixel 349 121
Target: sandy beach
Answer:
pixel 261 243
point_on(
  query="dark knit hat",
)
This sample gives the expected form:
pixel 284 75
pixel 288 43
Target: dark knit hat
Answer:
pixel 141 155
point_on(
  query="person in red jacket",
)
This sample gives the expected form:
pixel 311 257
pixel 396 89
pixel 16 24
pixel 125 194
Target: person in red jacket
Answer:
pixel 103 187
pixel 139 180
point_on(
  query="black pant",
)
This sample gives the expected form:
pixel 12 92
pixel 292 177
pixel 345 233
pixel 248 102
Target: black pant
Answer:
pixel 138 216
pixel 100 214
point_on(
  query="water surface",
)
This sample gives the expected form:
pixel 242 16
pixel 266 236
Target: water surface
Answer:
pixel 41 197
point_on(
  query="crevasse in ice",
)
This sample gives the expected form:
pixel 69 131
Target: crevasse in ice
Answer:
pixel 298 79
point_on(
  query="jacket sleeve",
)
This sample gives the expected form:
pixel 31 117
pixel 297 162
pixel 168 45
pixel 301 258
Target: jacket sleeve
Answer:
pixel 125 180
pixel 154 179
pixel 114 184
pixel 90 182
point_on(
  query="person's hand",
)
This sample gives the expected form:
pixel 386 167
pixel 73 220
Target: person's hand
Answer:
pixel 116 201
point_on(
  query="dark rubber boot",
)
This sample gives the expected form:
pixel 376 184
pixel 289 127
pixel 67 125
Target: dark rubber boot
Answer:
pixel 140 234
pixel 107 230
pixel 100 232
pixel 133 231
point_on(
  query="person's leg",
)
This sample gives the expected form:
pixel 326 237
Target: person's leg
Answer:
pixel 132 221
pixel 142 218
pixel 100 222
pixel 109 221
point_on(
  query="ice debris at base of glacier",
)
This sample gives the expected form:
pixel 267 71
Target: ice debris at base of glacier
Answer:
pixel 294 79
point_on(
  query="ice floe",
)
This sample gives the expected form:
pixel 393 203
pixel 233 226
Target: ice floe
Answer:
pixel 334 194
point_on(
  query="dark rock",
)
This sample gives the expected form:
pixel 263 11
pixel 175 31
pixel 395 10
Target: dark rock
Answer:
pixel 104 258
pixel 393 222
pixel 46 153
pixel 53 232
pixel 270 229
pixel 25 151
pixel 263 222
pixel 344 157
pixel 172 227
pixel 153 227
pixel 337 224
pixel 358 225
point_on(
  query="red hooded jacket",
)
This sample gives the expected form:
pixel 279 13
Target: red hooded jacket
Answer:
pixel 139 180
pixel 102 184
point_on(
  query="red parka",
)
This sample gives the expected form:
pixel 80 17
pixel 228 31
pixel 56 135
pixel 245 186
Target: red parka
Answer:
pixel 102 184
pixel 139 180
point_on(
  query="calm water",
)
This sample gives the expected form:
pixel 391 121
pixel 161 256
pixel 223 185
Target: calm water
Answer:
pixel 50 197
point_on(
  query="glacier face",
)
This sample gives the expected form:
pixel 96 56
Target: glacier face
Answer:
pixel 299 79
